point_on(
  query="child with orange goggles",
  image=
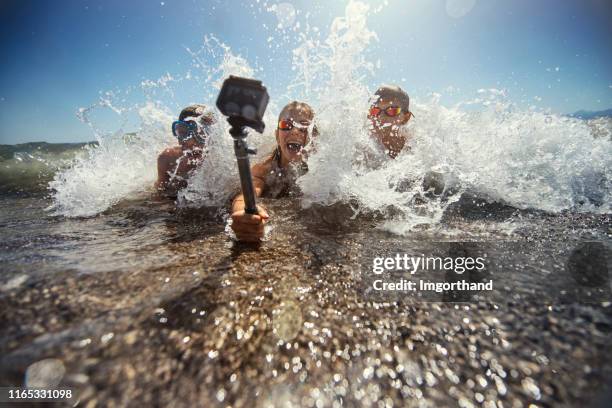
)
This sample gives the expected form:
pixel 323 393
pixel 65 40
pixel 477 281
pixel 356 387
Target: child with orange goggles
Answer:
pixel 276 174
pixel 388 115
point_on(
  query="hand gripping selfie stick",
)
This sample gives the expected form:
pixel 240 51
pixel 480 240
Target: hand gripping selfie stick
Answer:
pixel 244 102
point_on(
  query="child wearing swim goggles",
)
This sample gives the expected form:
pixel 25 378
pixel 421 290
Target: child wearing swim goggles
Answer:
pixel 388 114
pixel 191 127
pixel 174 163
pixel 276 174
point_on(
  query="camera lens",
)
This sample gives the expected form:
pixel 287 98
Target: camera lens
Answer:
pixel 249 111
pixel 232 108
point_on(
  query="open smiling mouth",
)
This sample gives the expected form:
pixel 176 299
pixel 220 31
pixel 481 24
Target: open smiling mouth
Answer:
pixel 294 147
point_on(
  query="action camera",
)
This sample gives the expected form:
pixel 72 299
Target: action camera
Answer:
pixel 244 99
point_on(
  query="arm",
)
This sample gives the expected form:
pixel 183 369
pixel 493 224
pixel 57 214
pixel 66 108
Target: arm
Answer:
pixel 250 227
pixel 258 172
pixel 163 170
pixel 168 164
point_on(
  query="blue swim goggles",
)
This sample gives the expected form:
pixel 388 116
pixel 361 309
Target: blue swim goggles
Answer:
pixel 186 129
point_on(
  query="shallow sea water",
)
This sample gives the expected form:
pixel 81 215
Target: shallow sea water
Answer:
pixel 146 304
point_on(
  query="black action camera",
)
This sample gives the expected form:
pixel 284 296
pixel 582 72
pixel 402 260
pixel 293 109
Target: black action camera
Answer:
pixel 244 101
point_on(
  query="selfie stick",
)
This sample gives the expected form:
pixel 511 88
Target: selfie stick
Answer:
pixel 242 151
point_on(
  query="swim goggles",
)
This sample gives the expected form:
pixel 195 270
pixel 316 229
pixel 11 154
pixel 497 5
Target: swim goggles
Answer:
pixel 390 111
pixel 186 129
pixel 288 124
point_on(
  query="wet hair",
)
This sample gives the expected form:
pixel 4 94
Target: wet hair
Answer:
pixel 295 105
pixel 394 92
pixel 197 111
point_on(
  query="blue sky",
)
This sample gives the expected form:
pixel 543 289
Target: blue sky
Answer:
pixel 59 56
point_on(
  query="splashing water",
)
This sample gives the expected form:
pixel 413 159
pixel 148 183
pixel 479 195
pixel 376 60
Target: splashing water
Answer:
pixel 340 101
pixel 526 159
pixel 529 160
pixel 215 182
pixel 119 166
pixel 488 146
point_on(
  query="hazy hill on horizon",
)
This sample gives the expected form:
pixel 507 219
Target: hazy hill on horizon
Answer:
pixel 584 114
pixel 7 151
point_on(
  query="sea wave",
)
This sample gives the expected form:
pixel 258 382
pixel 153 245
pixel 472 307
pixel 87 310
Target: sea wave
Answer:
pixel 29 167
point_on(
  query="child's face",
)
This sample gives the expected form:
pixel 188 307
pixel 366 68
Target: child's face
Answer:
pixel 293 135
pixel 387 114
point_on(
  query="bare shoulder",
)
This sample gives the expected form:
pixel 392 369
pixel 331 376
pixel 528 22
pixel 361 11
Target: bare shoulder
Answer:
pixel 170 154
pixel 261 169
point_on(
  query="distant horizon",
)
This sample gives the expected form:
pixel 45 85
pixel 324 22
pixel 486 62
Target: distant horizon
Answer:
pixel 64 56
pixel 88 141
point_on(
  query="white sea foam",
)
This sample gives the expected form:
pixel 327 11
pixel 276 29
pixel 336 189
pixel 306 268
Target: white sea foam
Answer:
pixel 122 164
pixel 487 146
pixel 529 160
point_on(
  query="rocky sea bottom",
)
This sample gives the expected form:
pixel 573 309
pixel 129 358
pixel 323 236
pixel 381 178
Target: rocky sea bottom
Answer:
pixel 147 305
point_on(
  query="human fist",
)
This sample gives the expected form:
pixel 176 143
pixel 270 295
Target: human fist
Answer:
pixel 249 227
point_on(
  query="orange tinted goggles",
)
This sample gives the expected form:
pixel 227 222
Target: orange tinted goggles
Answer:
pixel 390 111
pixel 286 124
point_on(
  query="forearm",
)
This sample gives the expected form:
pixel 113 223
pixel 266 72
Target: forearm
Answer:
pixel 238 203
pixel 163 178
pixel 161 183
pixel 249 227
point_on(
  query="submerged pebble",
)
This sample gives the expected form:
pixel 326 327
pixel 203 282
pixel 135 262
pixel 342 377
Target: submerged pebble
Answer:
pixel 45 374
